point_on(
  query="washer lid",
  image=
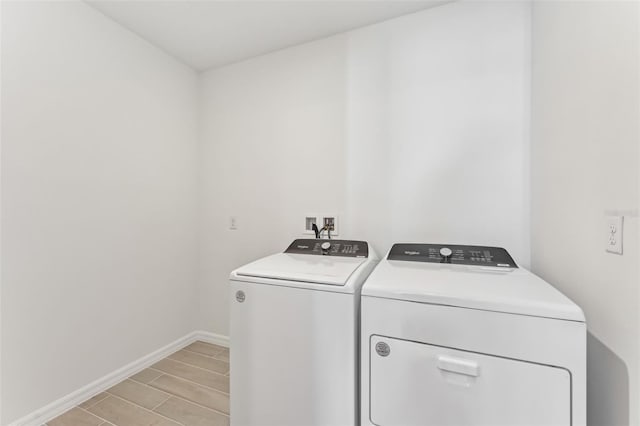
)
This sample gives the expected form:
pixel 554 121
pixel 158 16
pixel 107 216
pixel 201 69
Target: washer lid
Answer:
pixel 327 270
pixel 509 290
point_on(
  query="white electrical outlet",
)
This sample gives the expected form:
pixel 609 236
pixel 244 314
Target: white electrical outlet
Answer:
pixel 614 234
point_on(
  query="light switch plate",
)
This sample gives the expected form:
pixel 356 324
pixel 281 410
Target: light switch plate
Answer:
pixel 613 234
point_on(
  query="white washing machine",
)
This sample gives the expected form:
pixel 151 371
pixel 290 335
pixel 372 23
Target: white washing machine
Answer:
pixel 459 335
pixel 295 336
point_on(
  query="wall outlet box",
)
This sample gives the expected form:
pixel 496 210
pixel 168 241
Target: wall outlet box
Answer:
pixel 321 221
pixel 613 241
pixel 309 220
pixel 330 220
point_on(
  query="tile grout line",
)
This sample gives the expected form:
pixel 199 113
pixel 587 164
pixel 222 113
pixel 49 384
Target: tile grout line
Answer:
pixel 205 355
pixel 196 404
pixel 222 348
pixel 217 351
pixel 216 356
pixel 146 409
pixel 104 420
pixel 190 401
pixel 134 381
pixel 89 412
pixel 181 378
pixel 148 368
pixel 195 366
pixel 168 398
pixel 188 381
pixel 198 354
pixel 135 403
pixel 102 399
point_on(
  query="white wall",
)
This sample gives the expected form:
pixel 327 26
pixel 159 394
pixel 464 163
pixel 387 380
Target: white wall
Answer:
pixel 266 123
pixel 98 200
pixel 423 121
pixel 585 163
pixel 438 116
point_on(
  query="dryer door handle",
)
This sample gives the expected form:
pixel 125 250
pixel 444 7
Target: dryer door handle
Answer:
pixel 458 365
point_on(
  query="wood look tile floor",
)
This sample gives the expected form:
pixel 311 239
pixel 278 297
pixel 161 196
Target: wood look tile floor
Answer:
pixel 188 388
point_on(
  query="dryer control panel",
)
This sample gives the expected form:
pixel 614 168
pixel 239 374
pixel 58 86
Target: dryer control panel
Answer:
pixel 343 248
pixel 454 254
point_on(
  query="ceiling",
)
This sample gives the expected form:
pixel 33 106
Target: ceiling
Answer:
pixel 209 34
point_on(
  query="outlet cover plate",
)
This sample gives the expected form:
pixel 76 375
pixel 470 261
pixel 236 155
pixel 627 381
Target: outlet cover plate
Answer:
pixel 613 241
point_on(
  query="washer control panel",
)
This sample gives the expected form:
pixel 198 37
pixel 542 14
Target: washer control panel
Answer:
pixel 343 248
pixel 454 254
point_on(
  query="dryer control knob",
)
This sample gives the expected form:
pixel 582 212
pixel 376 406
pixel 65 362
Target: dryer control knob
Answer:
pixel 445 252
pixel 325 246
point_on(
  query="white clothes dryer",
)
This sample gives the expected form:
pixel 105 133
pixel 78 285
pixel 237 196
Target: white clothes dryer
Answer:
pixel 295 336
pixel 460 336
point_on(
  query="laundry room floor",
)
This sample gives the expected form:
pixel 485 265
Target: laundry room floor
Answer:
pixel 188 388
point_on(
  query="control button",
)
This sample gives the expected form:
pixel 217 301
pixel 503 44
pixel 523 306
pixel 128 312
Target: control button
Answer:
pixel 445 252
pixel 325 247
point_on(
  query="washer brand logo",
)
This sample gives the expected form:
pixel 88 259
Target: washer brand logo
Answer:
pixel 383 349
pixel 412 253
pixel 303 247
pixel 240 296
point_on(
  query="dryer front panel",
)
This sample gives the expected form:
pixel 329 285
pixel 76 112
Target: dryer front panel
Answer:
pixel 420 384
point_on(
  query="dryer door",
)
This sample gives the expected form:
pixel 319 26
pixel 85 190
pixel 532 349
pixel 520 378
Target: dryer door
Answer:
pixel 419 384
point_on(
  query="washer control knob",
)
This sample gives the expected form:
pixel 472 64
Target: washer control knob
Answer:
pixel 325 247
pixel 445 252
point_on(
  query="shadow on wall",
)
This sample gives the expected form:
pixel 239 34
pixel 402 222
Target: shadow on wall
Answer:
pixel 607 386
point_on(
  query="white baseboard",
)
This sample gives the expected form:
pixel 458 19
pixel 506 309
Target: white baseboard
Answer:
pixel 216 339
pixel 53 410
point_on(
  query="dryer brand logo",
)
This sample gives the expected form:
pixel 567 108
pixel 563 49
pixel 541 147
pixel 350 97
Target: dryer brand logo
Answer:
pixel 240 296
pixel 412 253
pixel 303 247
pixel 383 349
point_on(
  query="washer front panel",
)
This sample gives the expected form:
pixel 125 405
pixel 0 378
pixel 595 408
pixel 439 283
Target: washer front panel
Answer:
pixel 294 356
